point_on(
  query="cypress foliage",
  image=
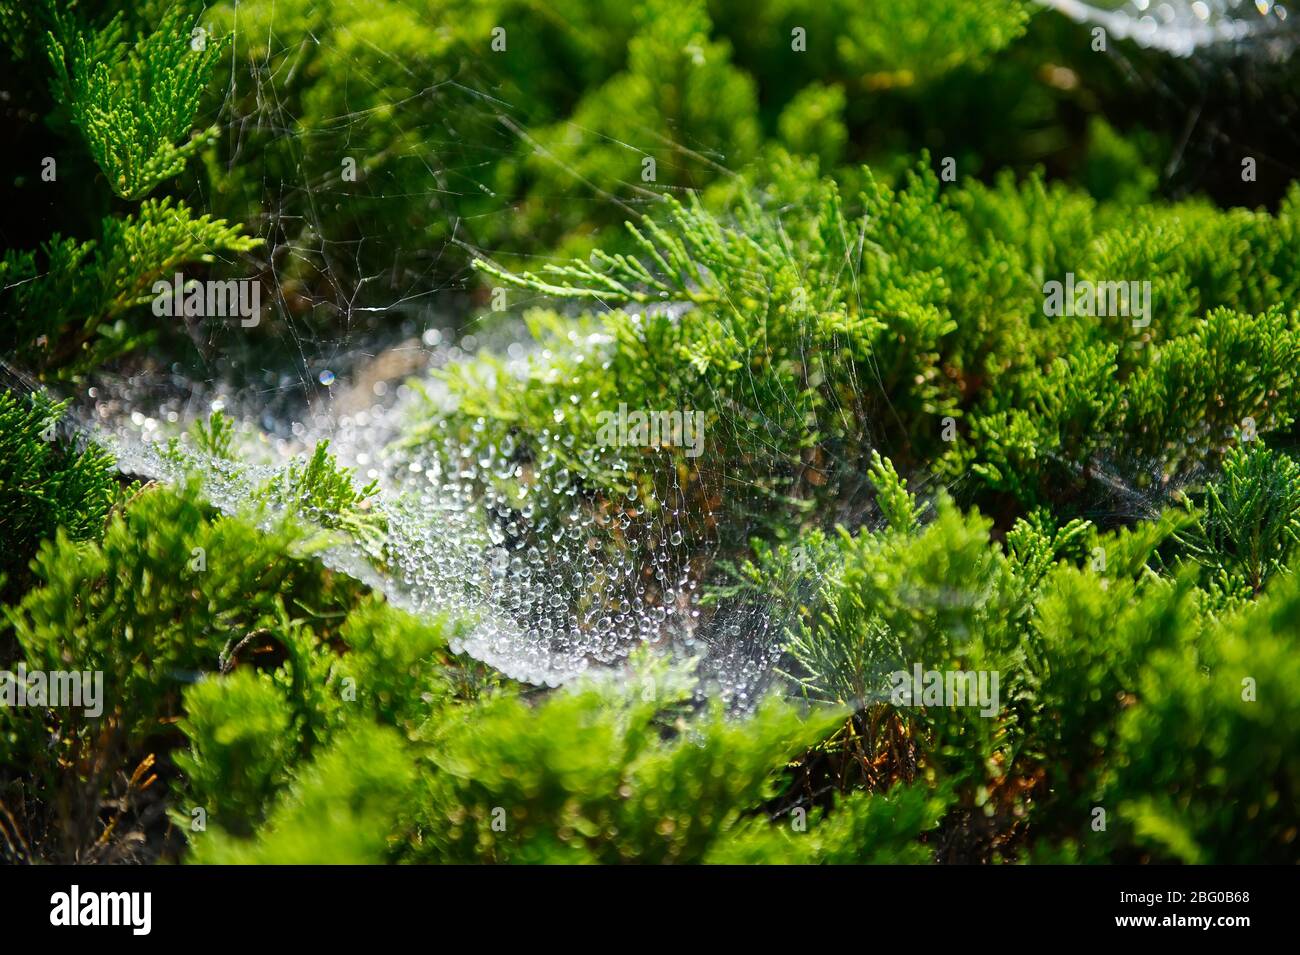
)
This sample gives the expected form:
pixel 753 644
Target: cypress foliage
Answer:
pixel 912 460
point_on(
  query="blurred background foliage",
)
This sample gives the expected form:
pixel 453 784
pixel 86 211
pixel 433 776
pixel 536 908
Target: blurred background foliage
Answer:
pixel 540 148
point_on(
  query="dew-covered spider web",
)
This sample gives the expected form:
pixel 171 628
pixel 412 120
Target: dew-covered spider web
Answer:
pixel 355 327
pixel 1182 27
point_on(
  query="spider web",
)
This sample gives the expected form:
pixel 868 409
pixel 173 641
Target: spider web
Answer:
pixel 548 586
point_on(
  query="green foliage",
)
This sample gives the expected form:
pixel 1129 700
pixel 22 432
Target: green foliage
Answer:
pixel 679 104
pixel 583 93
pixel 1117 689
pixel 591 774
pixel 400 665
pixel 1117 168
pixel 71 300
pixel 424 114
pixel 812 124
pixel 315 491
pixel 1035 544
pixel 340 810
pixel 228 630
pixel 933 470
pixel 168 594
pixel 322 492
pixel 894 39
pixel 165 593
pixel 216 436
pixel 944 317
pixel 1204 769
pixel 1162 422
pixel 1090 642
pixel 280 744
pixel 863 829
pixel 133 102
pixel 941 599
pixel 756 283
pixel 898 505
pixel 45 484
pixel 1108 671
pixel 240 730
pixel 588 777
pixel 1250 521
pixel 18 22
